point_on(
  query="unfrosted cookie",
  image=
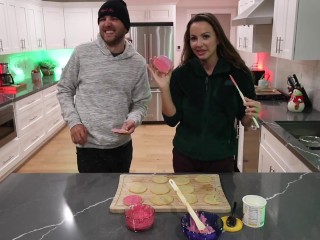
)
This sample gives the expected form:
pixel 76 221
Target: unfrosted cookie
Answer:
pixel 212 199
pixel 159 189
pixel 138 188
pixel 159 179
pixel 181 180
pixel 161 199
pixel 191 198
pixel 203 178
pixel 186 189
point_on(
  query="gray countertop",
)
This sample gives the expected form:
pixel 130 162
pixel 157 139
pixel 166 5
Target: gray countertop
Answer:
pixel 273 111
pixel 31 88
pixel 76 206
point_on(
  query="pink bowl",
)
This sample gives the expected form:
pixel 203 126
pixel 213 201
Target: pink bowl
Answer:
pixel 162 63
pixel 139 217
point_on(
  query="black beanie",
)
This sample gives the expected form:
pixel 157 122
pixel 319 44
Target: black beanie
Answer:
pixel 115 8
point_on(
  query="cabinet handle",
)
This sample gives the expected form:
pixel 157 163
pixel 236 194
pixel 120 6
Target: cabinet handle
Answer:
pixel 245 42
pixel 271 170
pixel 277 45
pixel 31 119
pixel 280 40
pixel 240 42
pixel 5 161
pixel 1 46
pixel 64 43
pixel 35 138
pixel 21 41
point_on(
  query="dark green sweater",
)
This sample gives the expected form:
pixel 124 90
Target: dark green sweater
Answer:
pixel 207 107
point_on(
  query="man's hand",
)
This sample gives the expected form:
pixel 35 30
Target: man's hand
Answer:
pixel 129 125
pixel 79 134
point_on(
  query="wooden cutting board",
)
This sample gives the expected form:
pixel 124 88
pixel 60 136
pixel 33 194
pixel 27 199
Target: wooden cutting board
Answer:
pixel 200 190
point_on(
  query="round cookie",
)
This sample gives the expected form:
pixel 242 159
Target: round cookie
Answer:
pixel 191 198
pixel 211 199
pixel 132 199
pixel 181 180
pixel 162 200
pixel 159 179
pixel 186 189
pixel 203 178
pixel 138 188
pixel 159 189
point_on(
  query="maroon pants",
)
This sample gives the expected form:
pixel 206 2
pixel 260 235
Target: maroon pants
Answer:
pixel 184 164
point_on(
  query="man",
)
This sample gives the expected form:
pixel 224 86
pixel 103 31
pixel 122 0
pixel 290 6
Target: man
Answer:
pixel 104 92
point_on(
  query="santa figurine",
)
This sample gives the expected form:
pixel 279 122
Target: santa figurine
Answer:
pixel 296 102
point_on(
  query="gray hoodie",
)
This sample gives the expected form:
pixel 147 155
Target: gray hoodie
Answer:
pixel 101 91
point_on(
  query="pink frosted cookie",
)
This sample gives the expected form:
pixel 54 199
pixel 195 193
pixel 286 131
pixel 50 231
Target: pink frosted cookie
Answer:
pixel 162 63
pixel 132 200
pixel 118 130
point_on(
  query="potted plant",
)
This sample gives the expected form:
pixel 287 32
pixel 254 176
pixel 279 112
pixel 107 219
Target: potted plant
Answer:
pixel 47 66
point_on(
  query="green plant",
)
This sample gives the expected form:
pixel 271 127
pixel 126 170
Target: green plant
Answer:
pixel 48 63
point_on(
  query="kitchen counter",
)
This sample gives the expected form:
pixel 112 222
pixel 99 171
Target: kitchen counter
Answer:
pixel 76 206
pixel 31 88
pixel 277 111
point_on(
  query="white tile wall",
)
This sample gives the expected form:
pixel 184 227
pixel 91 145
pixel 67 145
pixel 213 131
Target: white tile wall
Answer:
pixel 308 73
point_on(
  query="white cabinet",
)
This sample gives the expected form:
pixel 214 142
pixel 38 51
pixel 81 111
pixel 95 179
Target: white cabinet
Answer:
pixel 154 13
pixel 4 32
pixel 275 157
pixel 30 124
pixel 35 27
pixel 295 34
pixel 253 38
pixel 54 27
pixel 9 157
pixel 52 111
pixel 17 20
pixel 78 26
pixel 95 22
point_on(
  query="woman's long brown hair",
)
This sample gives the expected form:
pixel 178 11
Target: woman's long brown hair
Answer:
pixel 225 49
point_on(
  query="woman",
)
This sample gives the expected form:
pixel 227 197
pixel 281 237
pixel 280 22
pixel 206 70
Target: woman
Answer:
pixel 202 101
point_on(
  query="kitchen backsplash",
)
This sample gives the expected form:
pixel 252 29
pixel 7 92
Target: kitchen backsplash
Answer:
pixel 21 64
pixel 306 71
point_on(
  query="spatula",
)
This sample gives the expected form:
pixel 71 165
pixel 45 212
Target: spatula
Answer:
pixel 243 99
pixel 192 213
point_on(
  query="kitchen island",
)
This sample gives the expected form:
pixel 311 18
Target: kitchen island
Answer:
pixel 76 206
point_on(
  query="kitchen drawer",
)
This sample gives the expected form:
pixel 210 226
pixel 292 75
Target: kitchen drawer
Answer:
pixel 50 91
pixel 286 158
pixel 28 102
pixel 9 156
pixel 51 103
pixel 54 121
pixel 267 162
pixel 28 119
pixel 32 139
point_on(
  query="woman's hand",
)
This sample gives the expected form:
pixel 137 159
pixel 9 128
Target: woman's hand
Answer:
pixel 252 107
pixel 162 79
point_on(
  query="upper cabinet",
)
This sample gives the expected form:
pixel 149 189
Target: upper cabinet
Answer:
pixel 161 13
pixel 54 27
pixel 253 38
pixel 35 27
pixel 4 33
pixel 17 21
pixel 296 32
pixel 78 26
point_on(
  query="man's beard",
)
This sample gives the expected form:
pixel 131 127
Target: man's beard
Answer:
pixel 116 40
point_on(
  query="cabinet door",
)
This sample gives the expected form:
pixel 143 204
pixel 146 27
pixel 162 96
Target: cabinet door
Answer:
pixel 9 156
pixel 35 27
pixel 54 27
pixel 13 27
pixel 159 13
pixel 267 163
pixel 79 26
pixel 22 26
pixel 95 22
pixel 4 33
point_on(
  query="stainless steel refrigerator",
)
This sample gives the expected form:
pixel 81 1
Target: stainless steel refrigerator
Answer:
pixel 153 39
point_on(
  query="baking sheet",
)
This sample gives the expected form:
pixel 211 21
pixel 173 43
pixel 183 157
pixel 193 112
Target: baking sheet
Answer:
pixel 201 190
